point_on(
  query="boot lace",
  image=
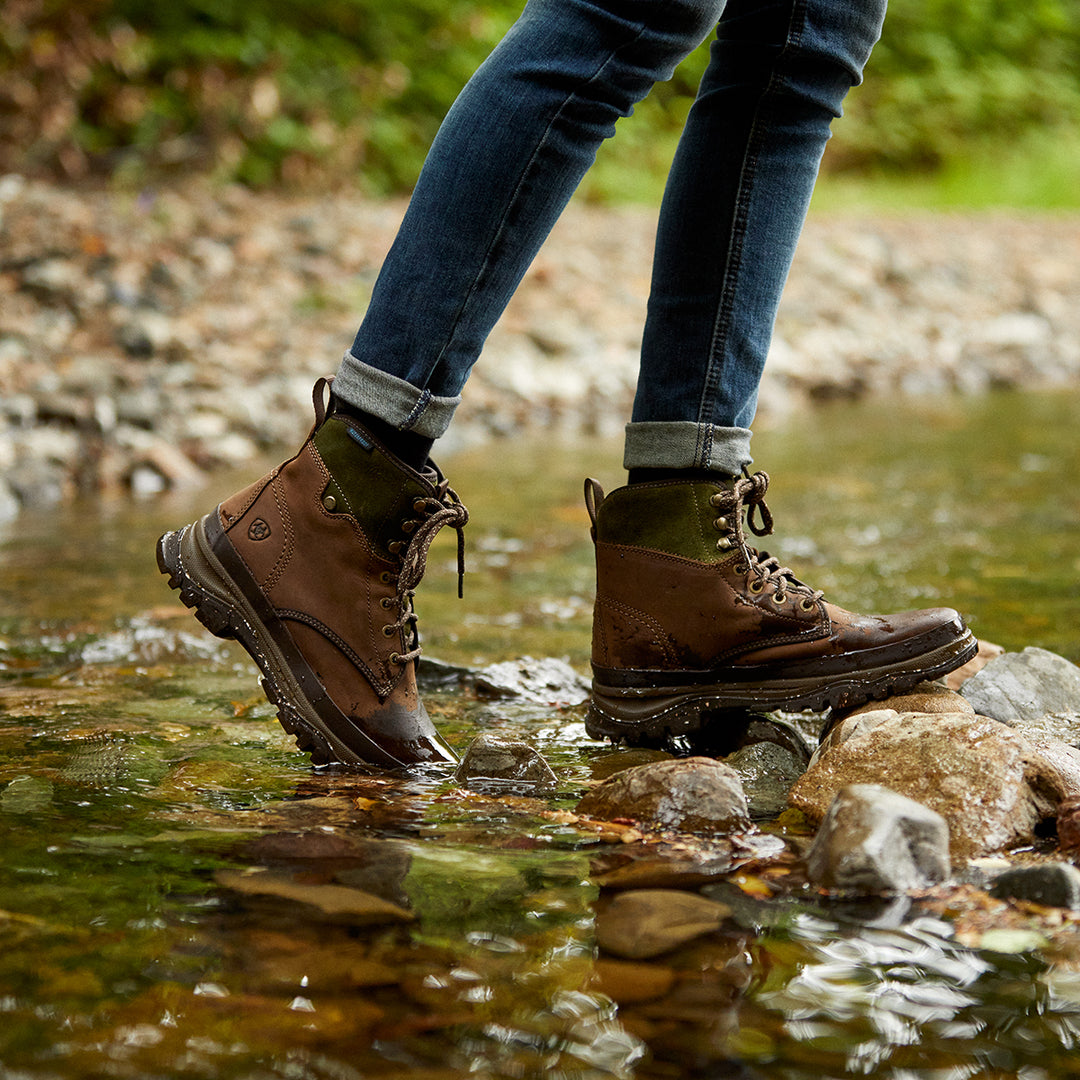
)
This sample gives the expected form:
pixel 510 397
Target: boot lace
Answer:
pixel 746 497
pixel 433 512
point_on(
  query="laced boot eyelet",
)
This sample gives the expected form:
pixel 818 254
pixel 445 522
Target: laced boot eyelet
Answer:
pixel 779 598
pixel 394 547
pixel 721 524
pixel 408 527
pixel 725 543
pixel 756 586
pixel 389 630
pixel 716 499
pixel 395 658
pixel 420 506
pixel 386 577
pixel 742 568
pixel 386 602
pixel 807 604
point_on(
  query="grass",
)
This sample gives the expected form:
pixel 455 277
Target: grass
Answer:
pixel 1038 173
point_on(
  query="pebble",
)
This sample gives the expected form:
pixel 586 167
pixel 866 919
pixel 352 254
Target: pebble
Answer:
pixel 192 299
pixel 874 840
pixel 489 758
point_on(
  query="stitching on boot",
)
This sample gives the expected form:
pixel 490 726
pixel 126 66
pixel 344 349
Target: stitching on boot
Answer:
pixel 379 686
pixel 257 490
pixel 276 574
pixel 660 638
pixel 697 516
pixel 673 557
pixel 601 653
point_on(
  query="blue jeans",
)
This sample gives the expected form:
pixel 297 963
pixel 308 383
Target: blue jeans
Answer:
pixel 514 147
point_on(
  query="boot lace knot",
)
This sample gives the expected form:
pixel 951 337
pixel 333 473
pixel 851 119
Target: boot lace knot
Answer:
pixel 432 513
pixel 746 498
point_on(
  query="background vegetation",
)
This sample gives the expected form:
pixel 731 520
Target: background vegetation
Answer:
pixel 330 91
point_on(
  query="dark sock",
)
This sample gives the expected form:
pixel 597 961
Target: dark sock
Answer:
pixel 651 476
pixel 411 448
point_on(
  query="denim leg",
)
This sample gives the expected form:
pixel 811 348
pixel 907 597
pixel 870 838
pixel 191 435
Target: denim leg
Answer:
pixel 507 158
pixel 733 209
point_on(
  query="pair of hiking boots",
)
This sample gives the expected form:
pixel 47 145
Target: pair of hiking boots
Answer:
pixel 313 569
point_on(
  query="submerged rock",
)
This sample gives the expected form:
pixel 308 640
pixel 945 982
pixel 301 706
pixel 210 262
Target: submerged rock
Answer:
pixel 874 840
pixel 336 901
pixel 1033 689
pixel 690 794
pixel 992 784
pixel 489 758
pixel 645 923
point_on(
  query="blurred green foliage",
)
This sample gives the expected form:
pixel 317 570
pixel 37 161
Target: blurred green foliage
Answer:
pixel 322 91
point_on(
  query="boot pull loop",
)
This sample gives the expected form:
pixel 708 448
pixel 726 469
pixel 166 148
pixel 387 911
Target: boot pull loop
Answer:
pixel 320 397
pixel 594 496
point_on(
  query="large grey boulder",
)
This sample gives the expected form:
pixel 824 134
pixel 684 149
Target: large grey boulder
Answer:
pixel 874 840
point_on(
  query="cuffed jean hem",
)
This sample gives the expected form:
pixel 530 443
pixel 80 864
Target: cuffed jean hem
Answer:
pixel 683 444
pixel 392 399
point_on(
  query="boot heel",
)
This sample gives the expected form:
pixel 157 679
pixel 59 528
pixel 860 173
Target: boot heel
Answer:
pixel 643 719
pixel 178 558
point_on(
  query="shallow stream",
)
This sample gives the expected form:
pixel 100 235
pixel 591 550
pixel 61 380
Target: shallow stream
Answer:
pixel 182 895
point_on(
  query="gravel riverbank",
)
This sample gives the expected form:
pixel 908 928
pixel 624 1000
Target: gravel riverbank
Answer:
pixel 147 340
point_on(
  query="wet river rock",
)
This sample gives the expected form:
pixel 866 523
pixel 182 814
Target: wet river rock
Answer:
pixel 695 794
pixel 874 840
pixel 1053 884
pixel 504 761
pixel 1034 690
pixel 991 783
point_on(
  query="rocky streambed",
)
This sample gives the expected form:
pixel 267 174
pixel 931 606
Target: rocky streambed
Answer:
pixel 149 338
pixel 900 794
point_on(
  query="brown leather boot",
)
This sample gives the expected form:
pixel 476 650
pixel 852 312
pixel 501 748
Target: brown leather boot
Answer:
pixel 690 619
pixel 313 570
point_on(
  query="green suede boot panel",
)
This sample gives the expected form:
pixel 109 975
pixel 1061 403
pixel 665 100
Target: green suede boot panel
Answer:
pixel 366 482
pixel 675 518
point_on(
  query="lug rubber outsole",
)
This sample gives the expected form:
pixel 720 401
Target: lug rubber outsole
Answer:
pixel 186 557
pixel 636 716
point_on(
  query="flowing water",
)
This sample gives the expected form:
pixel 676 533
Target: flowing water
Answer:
pixel 181 894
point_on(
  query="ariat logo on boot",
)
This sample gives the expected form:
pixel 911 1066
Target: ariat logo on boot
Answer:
pixel 258 530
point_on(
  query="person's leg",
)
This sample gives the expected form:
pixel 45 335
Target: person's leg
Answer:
pixel 690 620
pixel 733 209
pixel 506 160
pixel 313 568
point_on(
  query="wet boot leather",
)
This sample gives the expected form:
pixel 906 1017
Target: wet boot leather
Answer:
pixel 691 620
pixel 313 569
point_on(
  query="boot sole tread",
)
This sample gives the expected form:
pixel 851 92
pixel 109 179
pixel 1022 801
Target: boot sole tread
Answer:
pixel 625 716
pixel 225 617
